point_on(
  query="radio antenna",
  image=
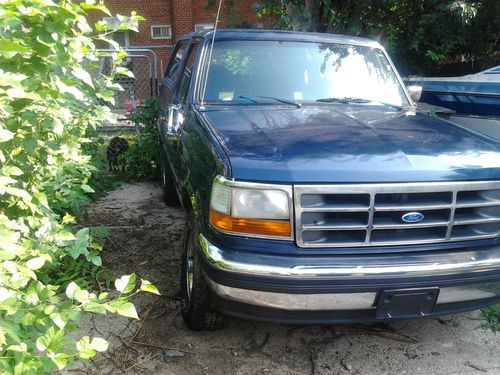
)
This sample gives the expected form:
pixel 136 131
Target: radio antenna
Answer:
pixel 205 82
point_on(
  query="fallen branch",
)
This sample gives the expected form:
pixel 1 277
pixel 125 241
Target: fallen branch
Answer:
pixel 476 367
pixel 161 347
pixel 386 334
pixel 144 360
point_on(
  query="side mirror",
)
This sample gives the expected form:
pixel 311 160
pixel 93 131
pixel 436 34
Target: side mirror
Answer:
pixel 415 92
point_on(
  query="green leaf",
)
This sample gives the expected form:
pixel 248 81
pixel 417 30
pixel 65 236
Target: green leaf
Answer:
pixel 22 348
pixel 17 192
pixel 11 330
pixel 68 219
pixel 58 320
pixel 2 337
pixel 124 71
pixel 12 171
pixel 83 75
pixel 146 286
pixel 42 343
pixel 35 263
pixel 71 289
pixel 125 284
pixel 64 236
pixel 4 180
pixel 99 344
pixel 5 135
pixel 87 188
pixel 85 351
pixel 9 48
pixel 96 260
pixel 127 309
pixel 60 359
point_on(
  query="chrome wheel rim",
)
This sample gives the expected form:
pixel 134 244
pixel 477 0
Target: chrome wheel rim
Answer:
pixel 189 270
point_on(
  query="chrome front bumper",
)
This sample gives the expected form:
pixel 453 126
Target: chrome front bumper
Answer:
pixel 345 301
pixel 341 301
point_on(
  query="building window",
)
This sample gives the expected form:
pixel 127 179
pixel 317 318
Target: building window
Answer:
pixel 161 32
pixel 203 26
pixel 122 38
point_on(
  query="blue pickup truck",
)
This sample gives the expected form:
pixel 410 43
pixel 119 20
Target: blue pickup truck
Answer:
pixel 315 191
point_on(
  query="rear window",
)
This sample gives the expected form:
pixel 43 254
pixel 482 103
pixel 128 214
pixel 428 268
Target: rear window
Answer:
pixel 174 65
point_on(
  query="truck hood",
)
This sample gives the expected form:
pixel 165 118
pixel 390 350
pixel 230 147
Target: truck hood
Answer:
pixel 339 143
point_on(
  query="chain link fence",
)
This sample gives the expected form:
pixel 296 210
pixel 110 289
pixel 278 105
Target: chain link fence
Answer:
pixel 143 63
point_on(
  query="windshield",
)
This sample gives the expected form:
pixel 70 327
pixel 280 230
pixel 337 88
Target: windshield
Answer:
pixel 301 72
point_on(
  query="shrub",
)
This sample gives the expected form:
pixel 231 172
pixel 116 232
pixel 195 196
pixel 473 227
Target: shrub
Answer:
pixel 48 100
pixel 143 158
pixel 492 316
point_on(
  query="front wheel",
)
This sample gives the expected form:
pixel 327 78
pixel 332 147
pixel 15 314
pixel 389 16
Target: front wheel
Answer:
pixel 196 307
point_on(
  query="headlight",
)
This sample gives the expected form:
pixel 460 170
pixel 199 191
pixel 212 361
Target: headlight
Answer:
pixel 251 209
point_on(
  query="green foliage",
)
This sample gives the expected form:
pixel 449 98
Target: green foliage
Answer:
pixel 100 181
pixel 142 158
pixel 492 315
pixel 421 35
pixel 48 101
pixel 231 13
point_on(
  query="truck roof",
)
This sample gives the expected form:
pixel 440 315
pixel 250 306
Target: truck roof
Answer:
pixel 253 34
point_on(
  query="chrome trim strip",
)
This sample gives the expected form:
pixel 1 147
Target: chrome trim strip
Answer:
pixel 468 293
pixel 337 301
pixel 285 301
pixel 394 188
pixel 411 226
pixel 451 223
pixel 413 207
pixel 215 257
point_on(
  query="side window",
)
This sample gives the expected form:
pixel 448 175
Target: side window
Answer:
pixel 182 92
pixel 175 60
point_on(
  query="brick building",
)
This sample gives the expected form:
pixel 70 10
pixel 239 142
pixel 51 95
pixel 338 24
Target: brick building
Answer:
pixel 167 20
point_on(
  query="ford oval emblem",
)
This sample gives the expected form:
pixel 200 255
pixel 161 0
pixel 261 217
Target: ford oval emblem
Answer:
pixel 412 217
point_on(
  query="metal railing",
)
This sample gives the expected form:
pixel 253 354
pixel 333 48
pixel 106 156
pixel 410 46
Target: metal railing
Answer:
pixel 144 65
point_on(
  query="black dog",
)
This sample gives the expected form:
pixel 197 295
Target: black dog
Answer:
pixel 117 146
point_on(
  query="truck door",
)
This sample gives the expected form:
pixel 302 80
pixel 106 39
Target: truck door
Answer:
pixel 166 93
pixel 178 115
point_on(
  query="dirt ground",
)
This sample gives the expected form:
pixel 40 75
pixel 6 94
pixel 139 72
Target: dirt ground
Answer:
pixel 147 239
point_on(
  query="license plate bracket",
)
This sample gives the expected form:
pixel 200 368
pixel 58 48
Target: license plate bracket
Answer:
pixel 406 303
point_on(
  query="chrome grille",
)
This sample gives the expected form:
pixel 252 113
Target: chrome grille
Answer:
pixel 371 214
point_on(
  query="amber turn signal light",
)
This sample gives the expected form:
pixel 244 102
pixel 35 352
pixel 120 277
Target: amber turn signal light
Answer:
pixel 227 223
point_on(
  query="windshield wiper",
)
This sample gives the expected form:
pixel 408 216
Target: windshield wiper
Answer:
pixel 347 100
pixel 253 99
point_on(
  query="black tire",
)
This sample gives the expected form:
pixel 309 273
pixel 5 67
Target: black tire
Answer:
pixel 196 307
pixel 170 196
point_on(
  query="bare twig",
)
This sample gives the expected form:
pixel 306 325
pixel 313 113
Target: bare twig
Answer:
pixel 146 313
pixel 266 339
pixel 95 326
pixel 312 356
pixel 144 360
pixel 476 367
pixel 78 370
pixel 161 347
pixel 127 344
pixel 387 334
pixel 113 359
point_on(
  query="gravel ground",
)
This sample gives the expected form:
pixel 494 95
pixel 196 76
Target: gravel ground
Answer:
pixel 146 238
